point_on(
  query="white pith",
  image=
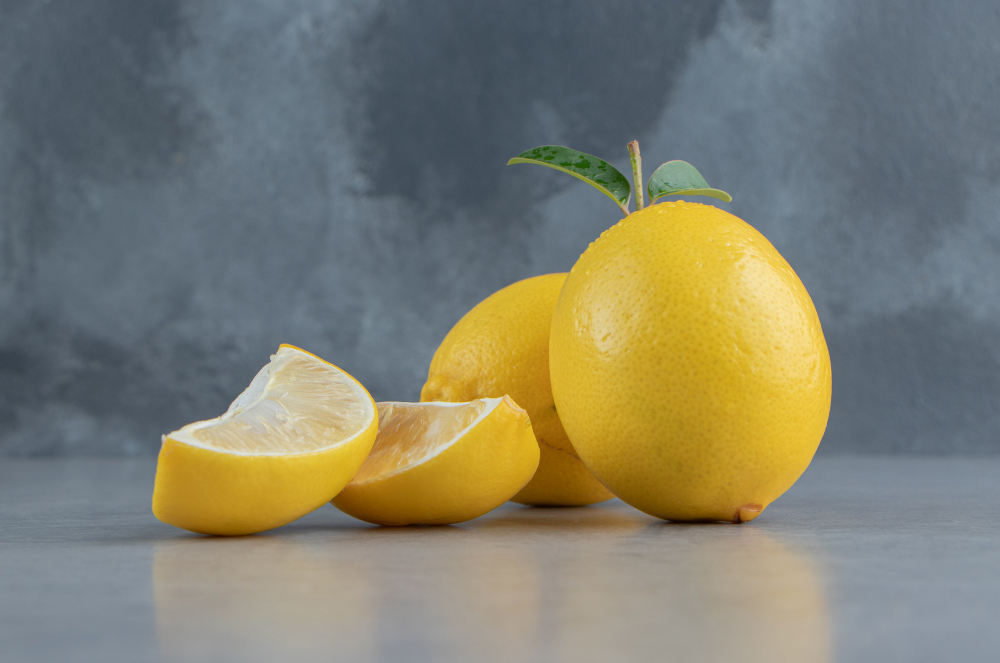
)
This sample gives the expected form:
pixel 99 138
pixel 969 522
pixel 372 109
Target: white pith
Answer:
pixel 333 409
pixel 387 410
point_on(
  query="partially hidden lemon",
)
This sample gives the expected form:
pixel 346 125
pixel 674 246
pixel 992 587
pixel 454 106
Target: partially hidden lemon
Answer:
pixel 501 346
pixel 442 463
pixel 688 364
pixel 285 447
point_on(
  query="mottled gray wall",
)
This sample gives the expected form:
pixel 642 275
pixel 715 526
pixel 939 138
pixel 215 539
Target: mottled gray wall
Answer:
pixel 185 185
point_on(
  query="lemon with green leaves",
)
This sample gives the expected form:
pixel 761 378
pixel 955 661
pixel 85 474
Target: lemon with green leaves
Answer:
pixel 687 361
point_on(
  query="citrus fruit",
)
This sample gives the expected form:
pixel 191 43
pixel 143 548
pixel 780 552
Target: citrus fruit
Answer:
pixel 286 445
pixel 688 364
pixel 500 347
pixel 442 463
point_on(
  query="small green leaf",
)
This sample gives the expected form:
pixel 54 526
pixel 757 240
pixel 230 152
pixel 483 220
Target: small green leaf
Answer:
pixel 676 177
pixel 598 173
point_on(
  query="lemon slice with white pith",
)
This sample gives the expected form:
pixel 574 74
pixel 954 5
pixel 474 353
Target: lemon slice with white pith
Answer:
pixel 287 444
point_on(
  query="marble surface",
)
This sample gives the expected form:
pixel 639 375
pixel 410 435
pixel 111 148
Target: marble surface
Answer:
pixel 865 559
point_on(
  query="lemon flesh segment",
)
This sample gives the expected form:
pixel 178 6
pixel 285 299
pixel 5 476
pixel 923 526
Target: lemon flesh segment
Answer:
pixel 285 446
pixel 501 346
pixel 442 463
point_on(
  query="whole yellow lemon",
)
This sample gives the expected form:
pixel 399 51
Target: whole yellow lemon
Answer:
pixel 688 365
pixel 501 347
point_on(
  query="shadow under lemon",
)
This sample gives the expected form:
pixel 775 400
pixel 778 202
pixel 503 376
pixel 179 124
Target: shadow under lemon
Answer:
pixel 546 524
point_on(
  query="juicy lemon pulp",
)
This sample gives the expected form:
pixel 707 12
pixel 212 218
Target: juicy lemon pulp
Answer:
pixel 442 463
pixel 412 433
pixel 286 446
pixel 295 404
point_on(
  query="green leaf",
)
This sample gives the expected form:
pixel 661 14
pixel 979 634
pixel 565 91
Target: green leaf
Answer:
pixel 598 173
pixel 676 177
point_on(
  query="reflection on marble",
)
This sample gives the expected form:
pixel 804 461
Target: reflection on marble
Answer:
pixel 355 599
pixel 263 598
pixel 528 584
pixel 865 559
pixel 697 596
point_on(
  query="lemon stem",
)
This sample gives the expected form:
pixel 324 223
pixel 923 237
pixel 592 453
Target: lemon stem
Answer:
pixel 636 161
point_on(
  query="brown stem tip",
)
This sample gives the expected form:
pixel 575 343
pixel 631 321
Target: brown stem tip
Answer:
pixel 746 513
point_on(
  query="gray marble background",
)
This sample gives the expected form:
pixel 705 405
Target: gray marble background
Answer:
pixel 185 185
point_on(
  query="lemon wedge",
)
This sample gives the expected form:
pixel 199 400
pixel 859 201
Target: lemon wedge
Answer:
pixel 442 463
pixel 287 444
